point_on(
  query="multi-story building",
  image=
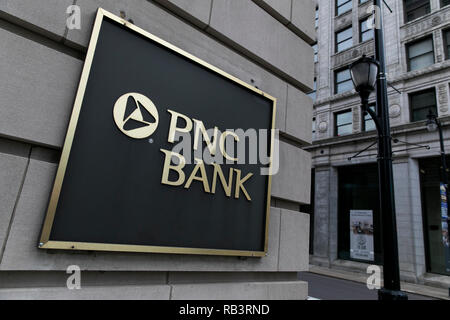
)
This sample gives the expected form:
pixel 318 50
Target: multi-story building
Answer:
pixel 417 37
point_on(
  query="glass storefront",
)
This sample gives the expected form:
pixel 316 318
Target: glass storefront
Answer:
pixel 358 214
pixel 430 177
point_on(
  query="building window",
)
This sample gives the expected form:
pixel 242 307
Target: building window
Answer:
pixel 420 54
pixel 317 17
pixel 343 6
pixel 447 43
pixel 315 48
pixel 368 123
pixel 342 81
pixel 343 123
pixel 312 94
pixel 344 39
pixel 416 8
pixel 364 32
pixel 445 3
pixel 421 103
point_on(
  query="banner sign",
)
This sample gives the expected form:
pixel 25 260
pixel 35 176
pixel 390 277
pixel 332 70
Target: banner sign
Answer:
pixel 445 235
pixel 164 153
pixel 361 235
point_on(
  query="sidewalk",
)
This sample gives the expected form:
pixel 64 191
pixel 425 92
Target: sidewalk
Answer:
pixel 419 289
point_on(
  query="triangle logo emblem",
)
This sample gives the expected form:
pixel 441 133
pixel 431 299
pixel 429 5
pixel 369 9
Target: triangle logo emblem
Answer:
pixel 135 115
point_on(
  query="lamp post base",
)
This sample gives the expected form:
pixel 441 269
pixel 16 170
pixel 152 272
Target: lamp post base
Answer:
pixel 390 295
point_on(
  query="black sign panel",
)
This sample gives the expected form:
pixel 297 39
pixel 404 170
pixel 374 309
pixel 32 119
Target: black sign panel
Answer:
pixel 121 187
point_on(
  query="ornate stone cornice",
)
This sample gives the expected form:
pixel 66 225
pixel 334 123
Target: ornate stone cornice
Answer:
pixel 425 24
pixel 344 58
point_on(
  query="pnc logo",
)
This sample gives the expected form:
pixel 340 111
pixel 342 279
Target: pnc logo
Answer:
pixel 135 115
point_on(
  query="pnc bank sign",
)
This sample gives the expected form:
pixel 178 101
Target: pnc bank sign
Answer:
pixel 164 153
pixel 137 117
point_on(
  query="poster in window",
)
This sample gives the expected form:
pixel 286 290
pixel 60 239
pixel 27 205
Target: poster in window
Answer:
pixel 361 235
pixel 444 226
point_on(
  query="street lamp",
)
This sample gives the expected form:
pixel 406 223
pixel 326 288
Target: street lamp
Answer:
pixel 432 123
pixel 364 73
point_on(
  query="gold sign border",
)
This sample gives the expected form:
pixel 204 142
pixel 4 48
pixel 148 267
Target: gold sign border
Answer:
pixel 46 243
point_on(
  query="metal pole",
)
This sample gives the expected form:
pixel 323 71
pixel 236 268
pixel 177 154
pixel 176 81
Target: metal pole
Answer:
pixel 391 273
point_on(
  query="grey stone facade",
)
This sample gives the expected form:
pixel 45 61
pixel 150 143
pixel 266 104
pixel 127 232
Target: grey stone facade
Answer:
pixel 265 43
pixel 330 152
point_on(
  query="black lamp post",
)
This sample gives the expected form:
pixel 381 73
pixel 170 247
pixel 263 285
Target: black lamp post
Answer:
pixel 366 72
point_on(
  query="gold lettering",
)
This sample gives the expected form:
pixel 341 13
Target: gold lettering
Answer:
pixel 173 125
pixel 178 168
pixel 199 166
pixel 240 184
pixel 226 187
pixel 199 126
pixel 223 137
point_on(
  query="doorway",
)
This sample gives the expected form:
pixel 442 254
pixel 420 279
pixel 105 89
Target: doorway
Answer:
pixel 430 178
pixel 358 190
